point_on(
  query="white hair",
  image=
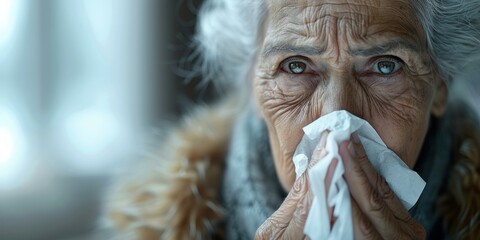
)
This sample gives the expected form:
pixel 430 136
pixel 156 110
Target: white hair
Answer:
pixel 226 39
pixel 452 29
pixel 227 36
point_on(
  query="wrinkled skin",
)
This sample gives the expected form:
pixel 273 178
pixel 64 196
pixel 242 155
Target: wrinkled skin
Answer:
pixel 367 57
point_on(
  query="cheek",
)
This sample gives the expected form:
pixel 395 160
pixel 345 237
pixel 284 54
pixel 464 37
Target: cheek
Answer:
pixel 405 141
pixel 404 122
pixel 284 109
pixel 282 104
pixel 284 99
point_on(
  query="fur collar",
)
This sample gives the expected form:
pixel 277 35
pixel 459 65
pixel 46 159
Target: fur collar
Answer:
pixel 175 195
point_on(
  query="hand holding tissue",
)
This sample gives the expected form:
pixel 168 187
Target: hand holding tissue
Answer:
pixel 404 182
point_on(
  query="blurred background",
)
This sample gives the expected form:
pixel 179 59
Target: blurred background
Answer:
pixel 84 85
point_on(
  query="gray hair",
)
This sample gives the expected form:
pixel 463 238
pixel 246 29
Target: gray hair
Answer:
pixel 227 35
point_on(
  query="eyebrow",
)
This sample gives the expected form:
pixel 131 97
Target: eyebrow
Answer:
pixel 286 48
pixel 386 47
pixel 307 50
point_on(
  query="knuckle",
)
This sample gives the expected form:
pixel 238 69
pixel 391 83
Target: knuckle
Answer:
pixel 358 171
pixel 276 222
pixel 376 202
pixel 296 190
pixel 299 218
pixel 366 228
pixel 362 156
pixel 383 188
pixel 299 189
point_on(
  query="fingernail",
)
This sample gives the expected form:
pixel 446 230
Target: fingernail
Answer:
pixel 351 149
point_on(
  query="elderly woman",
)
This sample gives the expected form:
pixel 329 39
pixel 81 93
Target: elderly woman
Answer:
pixel 227 171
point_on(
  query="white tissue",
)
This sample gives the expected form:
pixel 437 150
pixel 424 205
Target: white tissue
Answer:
pixel 406 183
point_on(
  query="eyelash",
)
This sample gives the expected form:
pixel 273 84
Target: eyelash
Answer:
pixel 399 64
pixel 285 68
pixel 372 66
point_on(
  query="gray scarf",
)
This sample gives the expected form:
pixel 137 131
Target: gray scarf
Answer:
pixel 251 191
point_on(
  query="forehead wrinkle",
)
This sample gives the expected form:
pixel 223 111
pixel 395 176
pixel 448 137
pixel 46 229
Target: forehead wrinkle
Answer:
pixel 356 15
pixel 308 11
pixel 314 21
pixel 317 33
pixel 320 24
pixel 355 26
pixel 339 10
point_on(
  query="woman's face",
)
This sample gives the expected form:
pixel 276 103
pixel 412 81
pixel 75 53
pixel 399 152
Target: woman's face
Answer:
pixel 367 57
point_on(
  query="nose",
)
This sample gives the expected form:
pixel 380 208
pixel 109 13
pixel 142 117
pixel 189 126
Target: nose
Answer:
pixel 341 92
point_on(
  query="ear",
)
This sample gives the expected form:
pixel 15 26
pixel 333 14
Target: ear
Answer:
pixel 440 100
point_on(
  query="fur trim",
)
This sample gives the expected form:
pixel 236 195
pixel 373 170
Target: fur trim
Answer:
pixel 178 197
pixel 460 204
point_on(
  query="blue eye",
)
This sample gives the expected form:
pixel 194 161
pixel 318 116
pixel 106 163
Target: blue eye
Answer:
pixel 297 67
pixel 387 66
pixel 294 66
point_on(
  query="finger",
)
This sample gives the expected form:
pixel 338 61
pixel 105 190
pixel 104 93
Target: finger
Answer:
pixel 378 182
pixel 364 229
pixel 362 226
pixel 363 193
pixel 319 152
pixel 289 219
pixel 328 183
